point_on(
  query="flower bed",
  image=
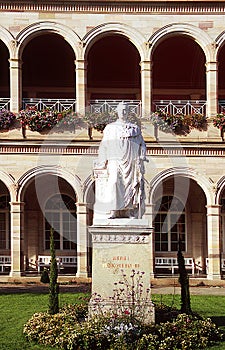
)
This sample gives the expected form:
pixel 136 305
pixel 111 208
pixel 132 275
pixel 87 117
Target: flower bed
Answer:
pixel 178 124
pixel 47 119
pixel 98 121
pixel 38 120
pixel 70 330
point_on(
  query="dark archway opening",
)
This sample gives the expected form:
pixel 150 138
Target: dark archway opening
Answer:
pixel 48 68
pixel 179 70
pixel 113 69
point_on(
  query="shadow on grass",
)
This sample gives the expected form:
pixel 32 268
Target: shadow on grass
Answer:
pixel 218 320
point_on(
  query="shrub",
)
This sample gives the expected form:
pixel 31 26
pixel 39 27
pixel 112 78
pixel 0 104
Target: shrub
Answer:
pixel 179 124
pixel 68 330
pixel 45 276
pixel 69 120
pixel 184 282
pixel 219 121
pixel 38 120
pixel 53 286
pixel 99 121
pixel 7 118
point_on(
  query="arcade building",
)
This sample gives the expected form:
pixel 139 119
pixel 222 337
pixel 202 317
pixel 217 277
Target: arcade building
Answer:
pixel 82 55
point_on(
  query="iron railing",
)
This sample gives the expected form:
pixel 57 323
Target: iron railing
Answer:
pixel 51 103
pixel 5 103
pixel 221 108
pixel 185 107
pixel 101 106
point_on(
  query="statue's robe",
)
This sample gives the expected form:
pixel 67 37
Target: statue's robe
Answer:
pixel 121 152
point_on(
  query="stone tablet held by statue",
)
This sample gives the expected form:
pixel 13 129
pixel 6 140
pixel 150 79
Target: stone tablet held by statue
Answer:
pixel 119 170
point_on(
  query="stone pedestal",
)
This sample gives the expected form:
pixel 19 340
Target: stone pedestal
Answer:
pixel 121 258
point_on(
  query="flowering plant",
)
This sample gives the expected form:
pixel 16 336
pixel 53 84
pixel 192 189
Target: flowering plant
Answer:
pixel 6 119
pixel 38 120
pixel 179 124
pixel 219 121
pixel 69 120
pixel 99 121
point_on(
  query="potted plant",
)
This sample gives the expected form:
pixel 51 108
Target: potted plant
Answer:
pixel 69 121
pixel 7 119
pixel 219 122
pixel 98 121
pixel 179 124
pixel 35 120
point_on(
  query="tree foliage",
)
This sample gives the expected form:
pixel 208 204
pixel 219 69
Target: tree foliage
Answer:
pixel 53 286
pixel 184 282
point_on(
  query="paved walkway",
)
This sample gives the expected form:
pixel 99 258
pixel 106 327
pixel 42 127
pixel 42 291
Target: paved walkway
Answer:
pixel 207 290
pixel 6 288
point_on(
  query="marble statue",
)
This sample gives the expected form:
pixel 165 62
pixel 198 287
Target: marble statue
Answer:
pixel 122 153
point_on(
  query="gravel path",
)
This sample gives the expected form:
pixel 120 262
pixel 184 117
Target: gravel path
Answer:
pixel 6 288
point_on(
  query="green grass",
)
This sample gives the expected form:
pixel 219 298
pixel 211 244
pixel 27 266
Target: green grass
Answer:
pixel 16 309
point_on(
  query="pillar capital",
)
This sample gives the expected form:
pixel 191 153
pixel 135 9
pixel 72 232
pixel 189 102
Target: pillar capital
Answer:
pixel 81 208
pixel 211 66
pixel 81 64
pixel 15 63
pixel 146 65
pixel 213 209
pixel 17 207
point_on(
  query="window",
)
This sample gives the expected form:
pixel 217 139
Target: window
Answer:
pixel 60 214
pixel 169 225
pixel 4 222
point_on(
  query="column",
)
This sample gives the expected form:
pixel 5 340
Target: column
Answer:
pixel 15 84
pixel 146 87
pixel 149 216
pixel 81 84
pixel 211 88
pixel 211 97
pixel 82 269
pixel 213 219
pixel 17 263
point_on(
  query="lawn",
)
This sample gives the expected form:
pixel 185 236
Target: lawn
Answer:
pixel 16 309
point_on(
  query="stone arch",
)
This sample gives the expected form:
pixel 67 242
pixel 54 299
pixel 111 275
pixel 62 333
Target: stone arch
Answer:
pixel 9 182
pixel 104 29
pixel 8 39
pixel 203 182
pixel 36 29
pixel 219 189
pixel 198 35
pixel 87 185
pixel 73 180
pixel 219 42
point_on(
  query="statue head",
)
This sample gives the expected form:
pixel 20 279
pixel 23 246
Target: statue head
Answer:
pixel 121 111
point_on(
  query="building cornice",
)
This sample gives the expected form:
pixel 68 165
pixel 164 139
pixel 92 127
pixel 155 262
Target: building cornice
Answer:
pixel 146 7
pixel 91 149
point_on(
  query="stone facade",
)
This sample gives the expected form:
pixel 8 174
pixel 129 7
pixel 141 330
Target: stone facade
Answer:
pixel 189 168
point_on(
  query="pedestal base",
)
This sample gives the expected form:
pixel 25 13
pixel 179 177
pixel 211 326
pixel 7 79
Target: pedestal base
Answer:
pixel 121 267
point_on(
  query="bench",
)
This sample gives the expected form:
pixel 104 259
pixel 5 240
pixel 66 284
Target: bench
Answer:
pixel 172 264
pixel 5 263
pixel 62 261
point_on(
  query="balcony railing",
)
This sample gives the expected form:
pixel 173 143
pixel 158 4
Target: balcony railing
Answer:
pixel 134 106
pixel 101 106
pixel 221 106
pixel 52 103
pixel 185 107
pixel 5 103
